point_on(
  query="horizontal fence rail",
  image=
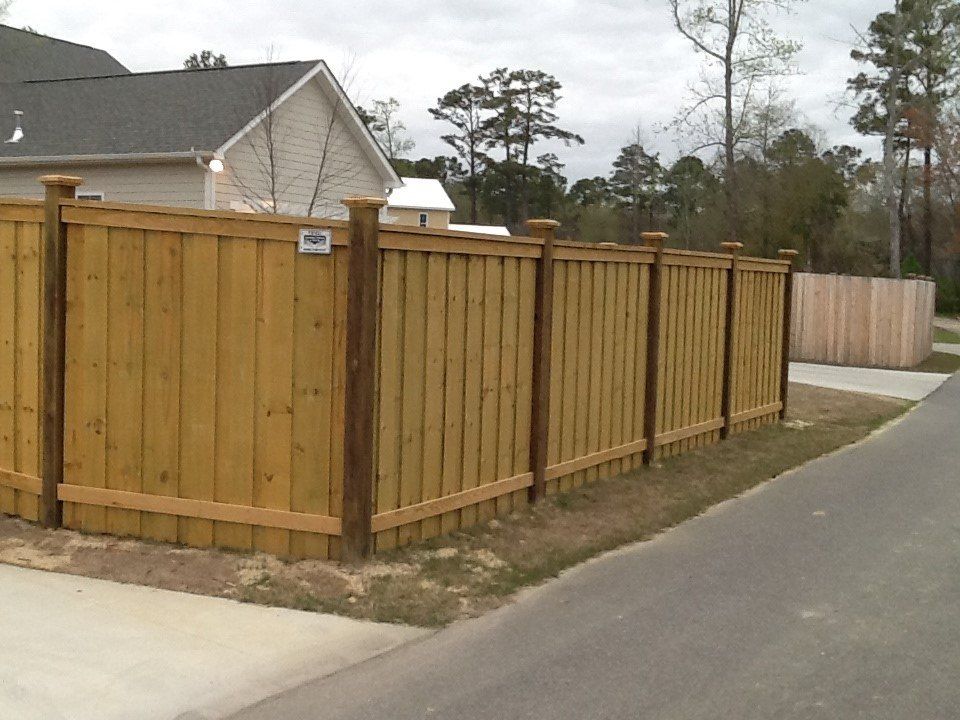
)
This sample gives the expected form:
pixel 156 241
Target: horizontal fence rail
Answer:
pixel 861 321
pixel 222 388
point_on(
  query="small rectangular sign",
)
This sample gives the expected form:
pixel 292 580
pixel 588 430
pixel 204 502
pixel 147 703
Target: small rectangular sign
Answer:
pixel 315 241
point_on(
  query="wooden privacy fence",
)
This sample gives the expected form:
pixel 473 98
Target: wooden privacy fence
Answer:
pixel 201 380
pixel 862 321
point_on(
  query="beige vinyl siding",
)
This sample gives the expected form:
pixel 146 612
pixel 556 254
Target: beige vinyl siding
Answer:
pixel 178 184
pixel 411 216
pixel 300 126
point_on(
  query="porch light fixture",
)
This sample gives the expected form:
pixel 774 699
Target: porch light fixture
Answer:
pixel 18 130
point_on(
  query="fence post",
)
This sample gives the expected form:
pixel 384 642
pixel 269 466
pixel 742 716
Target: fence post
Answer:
pixel 729 343
pixel 654 240
pixel 787 255
pixel 545 230
pixel 361 363
pixel 53 313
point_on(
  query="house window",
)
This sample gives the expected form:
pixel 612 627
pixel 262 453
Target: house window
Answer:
pixel 90 195
pixel 423 219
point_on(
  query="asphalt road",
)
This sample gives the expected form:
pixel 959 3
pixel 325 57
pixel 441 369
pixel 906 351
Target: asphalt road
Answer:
pixel 833 592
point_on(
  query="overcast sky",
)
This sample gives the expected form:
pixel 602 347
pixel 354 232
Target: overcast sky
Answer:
pixel 620 62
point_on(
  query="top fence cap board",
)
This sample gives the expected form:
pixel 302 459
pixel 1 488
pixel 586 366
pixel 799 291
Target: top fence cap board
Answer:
pixel 21 210
pixel 611 247
pixel 21 202
pixel 201 213
pixel 725 256
pixel 441 233
pixel 223 223
pixel 696 253
pixel 869 278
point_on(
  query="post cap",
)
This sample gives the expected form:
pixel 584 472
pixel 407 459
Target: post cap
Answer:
pixel 787 254
pixel 732 247
pixel 542 224
pixel 654 239
pixel 364 202
pixel 68 180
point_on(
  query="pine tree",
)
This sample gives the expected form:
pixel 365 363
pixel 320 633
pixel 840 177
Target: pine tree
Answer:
pixel 206 59
pixel 463 107
pixel 634 182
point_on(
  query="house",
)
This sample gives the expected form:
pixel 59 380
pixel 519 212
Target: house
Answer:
pixel 425 203
pixel 420 202
pixel 273 137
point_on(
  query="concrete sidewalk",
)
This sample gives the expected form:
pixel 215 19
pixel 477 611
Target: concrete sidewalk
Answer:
pixel 951 348
pixel 76 648
pixel 892 383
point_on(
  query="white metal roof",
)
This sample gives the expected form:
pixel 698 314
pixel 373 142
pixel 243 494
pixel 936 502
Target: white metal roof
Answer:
pixel 420 194
pixel 488 229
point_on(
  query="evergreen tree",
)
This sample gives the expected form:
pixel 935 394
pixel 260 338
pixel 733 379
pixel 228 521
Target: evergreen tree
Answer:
pixel 634 183
pixel 522 104
pixel 463 108
pixel 206 59
pixel 689 187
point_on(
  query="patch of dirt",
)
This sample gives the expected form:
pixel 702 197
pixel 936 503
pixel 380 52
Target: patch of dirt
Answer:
pixel 435 582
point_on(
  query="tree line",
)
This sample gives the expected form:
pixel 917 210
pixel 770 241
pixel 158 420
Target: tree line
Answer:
pixel 752 169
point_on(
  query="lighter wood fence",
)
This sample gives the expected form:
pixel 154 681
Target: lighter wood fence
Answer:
pixel 207 364
pixel 21 223
pixel 862 322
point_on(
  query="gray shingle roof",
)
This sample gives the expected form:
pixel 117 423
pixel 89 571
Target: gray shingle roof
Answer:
pixel 28 56
pixel 158 112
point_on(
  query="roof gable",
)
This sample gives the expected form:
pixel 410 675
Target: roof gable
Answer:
pixel 355 124
pixel 26 55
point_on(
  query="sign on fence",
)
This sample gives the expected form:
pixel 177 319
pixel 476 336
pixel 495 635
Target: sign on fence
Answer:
pixel 315 241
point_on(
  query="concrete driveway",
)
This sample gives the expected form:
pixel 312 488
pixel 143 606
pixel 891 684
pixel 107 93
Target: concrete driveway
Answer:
pixel 73 648
pixel 829 593
pixel 892 383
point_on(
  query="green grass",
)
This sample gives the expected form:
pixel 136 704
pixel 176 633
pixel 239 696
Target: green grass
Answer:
pixel 939 362
pixel 940 335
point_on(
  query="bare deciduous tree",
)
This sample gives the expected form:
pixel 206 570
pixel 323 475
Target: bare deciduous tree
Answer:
pixel 389 129
pixel 284 180
pixel 743 55
pixel 947 142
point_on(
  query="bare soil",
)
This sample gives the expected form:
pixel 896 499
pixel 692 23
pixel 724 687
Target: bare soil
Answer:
pixel 465 574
